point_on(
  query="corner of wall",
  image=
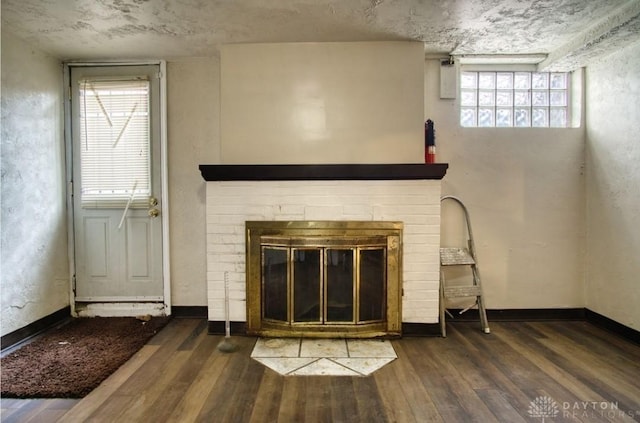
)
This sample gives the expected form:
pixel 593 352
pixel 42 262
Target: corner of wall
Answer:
pixel 612 180
pixel 35 271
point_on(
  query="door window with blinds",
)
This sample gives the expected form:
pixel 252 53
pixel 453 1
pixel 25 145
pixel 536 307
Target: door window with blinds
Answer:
pixel 115 153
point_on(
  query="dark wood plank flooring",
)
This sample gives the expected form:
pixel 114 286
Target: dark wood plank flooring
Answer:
pixel 588 374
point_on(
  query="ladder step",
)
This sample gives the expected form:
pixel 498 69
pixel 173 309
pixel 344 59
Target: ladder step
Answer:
pixel 455 257
pixel 462 291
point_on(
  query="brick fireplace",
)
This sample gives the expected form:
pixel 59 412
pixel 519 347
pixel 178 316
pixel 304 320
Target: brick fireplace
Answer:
pixel 406 193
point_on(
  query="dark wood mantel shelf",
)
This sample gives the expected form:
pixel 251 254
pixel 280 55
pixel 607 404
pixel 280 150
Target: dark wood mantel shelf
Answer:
pixel 323 172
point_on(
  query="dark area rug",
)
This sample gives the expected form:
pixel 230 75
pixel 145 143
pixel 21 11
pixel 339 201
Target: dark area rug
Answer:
pixel 70 361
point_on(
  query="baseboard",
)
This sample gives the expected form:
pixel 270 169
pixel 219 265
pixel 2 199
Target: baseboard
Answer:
pixel 191 312
pixel 496 315
pixel 420 329
pixel 218 328
pixel 408 329
pixel 604 322
pixel 433 329
pixel 550 314
pixel 521 314
pixel 58 317
pixel 34 328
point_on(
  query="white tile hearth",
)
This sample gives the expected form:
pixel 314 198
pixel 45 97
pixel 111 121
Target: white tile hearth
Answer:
pixel 323 357
pixel 324 348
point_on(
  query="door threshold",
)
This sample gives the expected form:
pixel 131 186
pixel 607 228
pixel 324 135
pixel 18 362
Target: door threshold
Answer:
pixel 112 309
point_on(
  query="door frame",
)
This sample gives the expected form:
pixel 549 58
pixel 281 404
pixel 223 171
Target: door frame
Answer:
pixel 119 309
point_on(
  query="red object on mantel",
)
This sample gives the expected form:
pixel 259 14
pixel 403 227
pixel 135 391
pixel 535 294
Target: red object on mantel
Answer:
pixel 429 142
pixel 430 154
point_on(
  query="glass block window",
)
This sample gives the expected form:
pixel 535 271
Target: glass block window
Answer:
pixel 514 99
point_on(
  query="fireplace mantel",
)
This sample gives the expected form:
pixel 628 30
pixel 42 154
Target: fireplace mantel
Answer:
pixel 323 172
pixel 407 193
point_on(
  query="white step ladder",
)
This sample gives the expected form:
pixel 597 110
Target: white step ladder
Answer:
pixel 454 256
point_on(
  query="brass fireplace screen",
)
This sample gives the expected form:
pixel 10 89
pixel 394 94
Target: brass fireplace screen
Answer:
pixel 324 278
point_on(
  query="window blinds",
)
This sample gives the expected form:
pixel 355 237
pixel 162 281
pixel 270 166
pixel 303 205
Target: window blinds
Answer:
pixel 115 147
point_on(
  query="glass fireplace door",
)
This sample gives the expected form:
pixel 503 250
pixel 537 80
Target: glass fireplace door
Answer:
pixel 372 284
pixel 339 285
pixel 275 287
pixel 324 285
pixel 307 287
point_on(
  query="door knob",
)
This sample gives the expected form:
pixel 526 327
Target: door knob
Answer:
pixel 154 212
pixel 153 201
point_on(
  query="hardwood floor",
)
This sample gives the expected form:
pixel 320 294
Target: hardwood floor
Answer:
pixel 588 374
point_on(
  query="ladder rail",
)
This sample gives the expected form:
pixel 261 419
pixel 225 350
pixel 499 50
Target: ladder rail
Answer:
pixel 467 220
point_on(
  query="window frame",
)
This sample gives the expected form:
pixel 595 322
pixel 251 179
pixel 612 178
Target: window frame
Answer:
pixel 113 98
pixel 513 68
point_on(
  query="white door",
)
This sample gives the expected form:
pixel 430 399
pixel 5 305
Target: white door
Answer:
pixel 115 119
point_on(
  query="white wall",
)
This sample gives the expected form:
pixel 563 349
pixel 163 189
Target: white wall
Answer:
pixel 35 276
pixel 613 187
pixel 524 189
pixel 193 97
pixel 352 102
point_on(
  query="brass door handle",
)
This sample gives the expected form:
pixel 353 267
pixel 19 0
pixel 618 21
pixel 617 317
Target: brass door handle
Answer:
pixel 154 212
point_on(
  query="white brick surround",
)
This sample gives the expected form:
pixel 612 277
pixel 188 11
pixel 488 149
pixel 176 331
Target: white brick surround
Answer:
pixel 414 202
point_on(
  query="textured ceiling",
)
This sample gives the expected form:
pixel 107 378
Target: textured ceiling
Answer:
pixel 99 29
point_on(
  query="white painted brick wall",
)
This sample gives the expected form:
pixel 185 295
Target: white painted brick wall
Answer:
pixel 416 203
